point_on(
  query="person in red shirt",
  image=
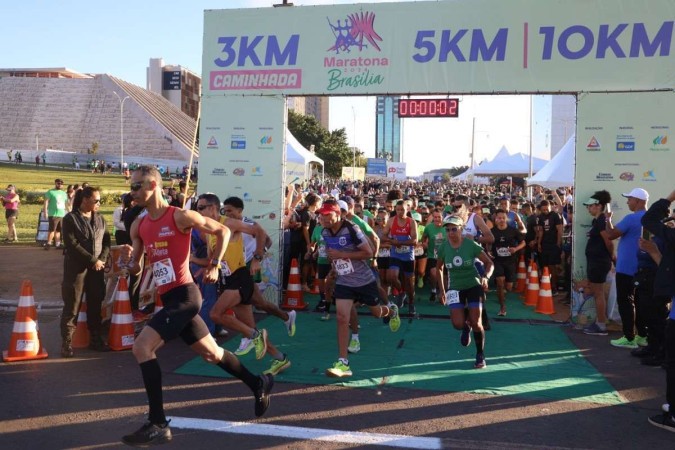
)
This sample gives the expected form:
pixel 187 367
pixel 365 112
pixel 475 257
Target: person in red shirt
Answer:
pixel 152 233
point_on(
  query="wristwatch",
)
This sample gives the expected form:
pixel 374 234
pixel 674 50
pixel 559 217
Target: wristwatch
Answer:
pixel 214 262
pixel 257 257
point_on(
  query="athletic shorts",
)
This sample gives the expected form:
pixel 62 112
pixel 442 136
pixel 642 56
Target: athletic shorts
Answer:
pixel 322 270
pixel 368 294
pixel 55 224
pixel 180 315
pixel 407 267
pixel 468 298
pixel 431 263
pixel 383 263
pixel 597 270
pixel 9 213
pixel 505 269
pixel 242 281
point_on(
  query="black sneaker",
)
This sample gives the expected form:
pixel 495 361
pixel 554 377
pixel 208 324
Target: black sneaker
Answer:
pixel 653 361
pixel 67 349
pixel 412 312
pixel 664 421
pixel 262 394
pixel 432 297
pixel 45 246
pixel 148 434
pixel 320 307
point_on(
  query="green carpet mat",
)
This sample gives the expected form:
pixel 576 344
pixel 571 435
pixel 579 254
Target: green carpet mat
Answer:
pixel 536 361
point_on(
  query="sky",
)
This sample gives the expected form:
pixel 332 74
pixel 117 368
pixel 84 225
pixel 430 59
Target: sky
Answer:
pixel 119 38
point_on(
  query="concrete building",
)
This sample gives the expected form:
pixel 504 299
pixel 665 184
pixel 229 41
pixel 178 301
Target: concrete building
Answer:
pixel 311 106
pixel 177 84
pixel 387 129
pixel 65 113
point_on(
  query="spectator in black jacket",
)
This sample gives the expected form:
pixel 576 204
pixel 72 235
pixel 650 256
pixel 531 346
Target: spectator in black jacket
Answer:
pixel 664 284
pixel 87 245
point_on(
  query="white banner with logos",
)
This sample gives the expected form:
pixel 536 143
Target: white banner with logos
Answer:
pixel 241 154
pixel 623 142
pixel 396 170
pixel 439 47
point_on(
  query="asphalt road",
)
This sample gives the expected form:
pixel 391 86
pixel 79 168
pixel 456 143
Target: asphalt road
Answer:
pixel 90 401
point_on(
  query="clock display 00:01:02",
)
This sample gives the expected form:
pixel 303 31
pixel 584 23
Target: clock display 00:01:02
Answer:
pixel 428 107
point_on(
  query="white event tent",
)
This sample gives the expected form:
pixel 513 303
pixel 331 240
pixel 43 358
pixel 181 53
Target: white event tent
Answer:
pixel 298 159
pixel 506 164
pixel 560 169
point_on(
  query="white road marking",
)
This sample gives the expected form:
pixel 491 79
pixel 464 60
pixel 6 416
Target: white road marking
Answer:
pixel 313 434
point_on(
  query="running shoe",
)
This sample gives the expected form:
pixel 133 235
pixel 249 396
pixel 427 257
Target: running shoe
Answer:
pixel 245 346
pixel 354 346
pixel 149 434
pixel 641 341
pixel 262 394
pixel 339 370
pixel 278 366
pixel 664 421
pixel 325 317
pixel 623 342
pixel 290 323
pixel 412 312
pixel 465 338
pixel 595 330
pixel 480 361
pixel 321 306
pixel 420 283
pixel 260 342
pixel 394 319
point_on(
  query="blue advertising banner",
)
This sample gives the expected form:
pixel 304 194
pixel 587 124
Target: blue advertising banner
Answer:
pixel 376 167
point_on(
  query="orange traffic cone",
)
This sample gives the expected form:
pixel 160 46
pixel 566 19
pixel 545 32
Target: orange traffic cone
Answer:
pixel 527 280
pixel 315 285
pixel 81 336
pixel 25 341
pixel 121 335
pixel 158 304
pixel 532 294
pixel 545 302
pixel 521 276
pixel 293 298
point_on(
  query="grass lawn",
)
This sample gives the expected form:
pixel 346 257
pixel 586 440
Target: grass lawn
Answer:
pixel 32 182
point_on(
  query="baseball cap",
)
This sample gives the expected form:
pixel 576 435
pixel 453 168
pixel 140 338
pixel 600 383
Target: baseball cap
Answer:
pixel 453 220
pixel 343 205
pixel 591 201
pixel 638 193
pixel 415 215
pixel 328 208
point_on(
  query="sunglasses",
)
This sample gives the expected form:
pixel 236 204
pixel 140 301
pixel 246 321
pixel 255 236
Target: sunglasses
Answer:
pixel 453 229
pixel 202 207
pixel 97 201
pixel 136 186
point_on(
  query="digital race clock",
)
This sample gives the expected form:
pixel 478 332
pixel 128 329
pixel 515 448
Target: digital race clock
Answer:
pixel 428 107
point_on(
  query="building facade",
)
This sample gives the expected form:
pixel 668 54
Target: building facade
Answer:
pixel 177 84
pixel 387 129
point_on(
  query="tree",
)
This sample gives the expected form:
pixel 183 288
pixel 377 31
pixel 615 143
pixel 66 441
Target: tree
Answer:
pixel 330 146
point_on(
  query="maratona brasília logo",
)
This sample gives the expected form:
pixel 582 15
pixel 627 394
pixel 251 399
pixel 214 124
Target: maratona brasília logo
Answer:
pixel 348 69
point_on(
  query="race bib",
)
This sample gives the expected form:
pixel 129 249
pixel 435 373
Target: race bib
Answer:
pixel 322 252
pixel 419 251
pixel 384 253
pixel 162 272
pixel 225 269
pixel 403 249
pixel 343 266
pixel 503 251
pixel 451 297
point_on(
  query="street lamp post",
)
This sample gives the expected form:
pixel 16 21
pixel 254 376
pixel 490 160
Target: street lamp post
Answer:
pixel 121 100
